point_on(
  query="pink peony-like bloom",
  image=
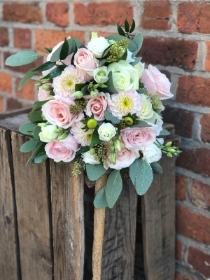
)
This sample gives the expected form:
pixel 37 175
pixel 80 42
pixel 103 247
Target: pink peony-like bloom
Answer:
pixel 96 106
pixel 57 112
pixel 136 138
pixel 44 94
pixel 63 150
pixel 156 82
pixel 85 63
pixel 124 158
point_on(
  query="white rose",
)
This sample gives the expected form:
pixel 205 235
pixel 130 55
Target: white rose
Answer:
pixel 106 131
pixel 125 76
pixel 152 153
pixel 146 109
pixel 140 67
pixel 97 46
pixel 89 158
pixel 48 133
pixel 156 122
pixel 101 75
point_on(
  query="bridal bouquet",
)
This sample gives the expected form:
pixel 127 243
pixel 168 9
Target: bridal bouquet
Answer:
pixel 101 108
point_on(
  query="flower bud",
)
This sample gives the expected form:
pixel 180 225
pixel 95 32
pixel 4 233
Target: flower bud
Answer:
pixel 101 75
pixel 118 145
pixel 113 157
pixel 94 93
pixel 38 84
pixel 62 136
pixel 169 154
pixel 168 144
pixel 77 94
pixel 128 121
pixel 92 151
pixel 59 130
pixel 92 123
pixel 46 87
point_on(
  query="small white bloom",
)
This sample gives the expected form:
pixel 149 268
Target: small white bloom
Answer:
pixel 89 158
pixel 101 75
pixel 48 133
pixel 152 153
pixel 106 131
pixel 140 67
pixel 146 109
pixel 97 46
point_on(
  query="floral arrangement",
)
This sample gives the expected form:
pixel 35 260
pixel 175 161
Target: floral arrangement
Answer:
pixel 101 108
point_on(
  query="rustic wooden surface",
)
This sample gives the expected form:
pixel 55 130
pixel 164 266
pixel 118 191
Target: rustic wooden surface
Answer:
pixel 98 239
pixel 31 187
pixel 119 237
pixel 68 222
pixel 8 228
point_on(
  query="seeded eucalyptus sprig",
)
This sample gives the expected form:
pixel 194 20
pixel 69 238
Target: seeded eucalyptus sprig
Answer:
pixel 127 28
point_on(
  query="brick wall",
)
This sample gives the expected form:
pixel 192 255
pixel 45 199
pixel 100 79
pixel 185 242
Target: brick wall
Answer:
pixel 177 41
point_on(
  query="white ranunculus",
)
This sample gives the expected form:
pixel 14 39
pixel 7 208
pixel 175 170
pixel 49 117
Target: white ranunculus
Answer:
pixel 89 158
pixel 152 153
pixel 101 75
pixel 48 133
pixel 140 67
pixel 106 131
pixel 125 76
pixel 146 109
pixel 97 46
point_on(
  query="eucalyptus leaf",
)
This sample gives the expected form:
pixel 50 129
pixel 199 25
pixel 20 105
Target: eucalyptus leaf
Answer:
pixel 136 61
pixel 141 124
pixel 26 78
pixel 95 138
pixel 27 128
pixel 110 85
pixel 46 66
pixel 35 116
pixel 100 199
pixel 141 176
pixel 56 54
pixel 22 58
pixel 156 168
pixel 109 117
pixel 113 188
pixel 138 40
pixel 38 150
pixel 29 146
pixel 36 132
pixel 164 132
pixel 38 104
pixel 95 171
pixel 40 158
pixel 54 73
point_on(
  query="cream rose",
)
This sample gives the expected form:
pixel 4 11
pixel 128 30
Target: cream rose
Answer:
pixel 106 131
pixel 152 153
pixel 146 109
pixel 89 158
pixel 48 133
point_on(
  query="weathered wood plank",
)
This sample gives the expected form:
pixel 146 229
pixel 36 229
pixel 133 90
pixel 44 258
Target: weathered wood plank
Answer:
pixel 119 236
pixel 31 186
pixel 8 236
pixel 158 220
pixel 10 122
pixel 68 222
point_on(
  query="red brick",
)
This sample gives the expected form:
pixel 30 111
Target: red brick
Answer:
pixel 1 104
pixel 22 38
pixel 193 17
pixel 181 187
pixel 200 194
pixel 199 260
pixel 182 119
pixel 27 92
pixel 207 61
pixel 13 104
pixel 49 38
pixel 179 249
pixel 196 160
pixel 5 82
pixel 102 14
pixel 205 128
pixel 193 90
pixel 58 13
pixel 192 225
pixel 183 277
pixel 168 51
pixel 23 68
pixel 21 12
pixel 4 38
pixel 156 15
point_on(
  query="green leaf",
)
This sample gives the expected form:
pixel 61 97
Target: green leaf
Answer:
pixel 49 50
pixel 38 104
pixel 56 55
pixel 46 66
pixel 127 26
pixel 39 149
pixel 95 138
pixel 64 50
pixel 22 58
pixel 35 116
pixel 138 40
pixel 40 158
pixel 141 124
pixel 164 132
pixel 77 42
pixel 100 199
pixel 156 168
pixel 54 73
pixel 29 146
pixel 26 77
pixel 95 171
pixel 120 30
pixel 78 87
pixel 132 26
pixel 109 117
pixel 110 85
pixel 36 132
pixel 136 61
pixel 141 176
pixel 113 188
pixel 27 128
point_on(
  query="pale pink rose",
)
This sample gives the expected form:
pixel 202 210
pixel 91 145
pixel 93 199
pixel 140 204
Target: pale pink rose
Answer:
pixel 136 138
pixel 44 94
pixel 85 63
pixel 156 82
pixel 96 106
pixel 57 112
pixel 124 158
pixel 63 150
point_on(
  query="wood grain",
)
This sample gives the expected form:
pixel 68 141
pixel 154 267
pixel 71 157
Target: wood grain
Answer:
pixel 31 187
pixel 68 222
pixel 119 236
pixel 8 241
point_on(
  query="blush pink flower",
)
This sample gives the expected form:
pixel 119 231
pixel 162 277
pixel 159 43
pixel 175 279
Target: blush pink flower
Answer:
pixel 82 136
pixel 96 106
pixel 57 112
pixel 44 94
pixel 85 63
pixel 136 138
pixel 156 82
pixel 63 150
